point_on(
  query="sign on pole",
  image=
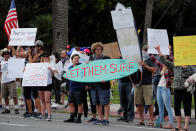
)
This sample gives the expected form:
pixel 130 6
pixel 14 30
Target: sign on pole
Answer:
pixel 15 68
pixel 23 37
pixel 36 74
pixel 128 41
pixel 122 18
pixel 158 37
pixel 184 50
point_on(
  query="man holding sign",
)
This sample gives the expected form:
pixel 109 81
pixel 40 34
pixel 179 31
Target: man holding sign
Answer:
pixel 8 85
pixel 100 90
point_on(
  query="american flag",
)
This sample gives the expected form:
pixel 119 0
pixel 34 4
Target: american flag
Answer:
pixel 11 20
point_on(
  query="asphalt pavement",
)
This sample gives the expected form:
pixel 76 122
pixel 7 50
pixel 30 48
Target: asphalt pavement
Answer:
pixel 13 122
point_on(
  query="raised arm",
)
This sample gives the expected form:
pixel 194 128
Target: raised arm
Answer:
pixel 163 59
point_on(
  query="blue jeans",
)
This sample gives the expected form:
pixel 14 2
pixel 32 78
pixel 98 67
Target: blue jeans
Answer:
pixel 163 98
pixel 126 99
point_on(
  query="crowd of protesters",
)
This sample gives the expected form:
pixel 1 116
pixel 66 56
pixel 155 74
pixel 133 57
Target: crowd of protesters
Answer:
pixel 157 80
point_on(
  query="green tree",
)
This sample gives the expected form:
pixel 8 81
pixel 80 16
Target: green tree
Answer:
pixel 44 25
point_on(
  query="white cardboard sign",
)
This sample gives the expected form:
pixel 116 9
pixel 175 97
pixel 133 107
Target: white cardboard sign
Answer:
pixel 122 17
pixel 23 37
pixel 158 37
pixel 15 68
pixel 36 74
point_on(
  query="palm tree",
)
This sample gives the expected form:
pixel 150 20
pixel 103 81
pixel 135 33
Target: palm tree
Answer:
pixel 60 24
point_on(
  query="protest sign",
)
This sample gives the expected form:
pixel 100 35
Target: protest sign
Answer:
pixel 127 37
pixel 99 70
pixel 184 50
pixel 112 50
pixel 122 18
pixel 158 37
pixel 15 68
pixel 23 37
pixel 36 74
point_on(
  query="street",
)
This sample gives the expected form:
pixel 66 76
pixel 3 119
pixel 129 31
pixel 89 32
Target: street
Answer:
pixel 12 122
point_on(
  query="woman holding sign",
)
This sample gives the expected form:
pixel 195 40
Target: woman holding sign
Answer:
pixel 45 92
pixel 181 73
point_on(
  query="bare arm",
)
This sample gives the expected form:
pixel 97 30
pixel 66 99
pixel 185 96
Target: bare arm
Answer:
pixel 151 69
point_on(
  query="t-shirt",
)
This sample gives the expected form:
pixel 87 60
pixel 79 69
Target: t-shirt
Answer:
pixel 50 73
pixel 59 68
pixel 162 81
pixel 105 85
pixel 125 79
pixel 4 70
pixel 75 86
pixel 147 75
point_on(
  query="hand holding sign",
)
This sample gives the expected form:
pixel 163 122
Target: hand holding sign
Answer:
pixel 23 36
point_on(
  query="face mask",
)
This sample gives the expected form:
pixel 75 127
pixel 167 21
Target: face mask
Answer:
pixel 35 50
pixel 145 55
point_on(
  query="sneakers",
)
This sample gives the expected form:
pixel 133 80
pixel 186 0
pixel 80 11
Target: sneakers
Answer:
pixel 27 114
pixel 1 107
pixel 105 123
pixel 6 111
pixel 121 119
pixel 42 117
pixel 16 111
pixel 130 119
pixel 92 120
pixel 69 120
pixel 78 121
pixel 36 115
pixel 98 122
pixel 49 119
pixel 85 119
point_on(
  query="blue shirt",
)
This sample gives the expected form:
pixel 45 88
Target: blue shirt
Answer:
pixel 75 86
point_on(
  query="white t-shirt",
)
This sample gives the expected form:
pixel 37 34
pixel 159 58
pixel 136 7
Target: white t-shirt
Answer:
pixel 162 81
pixel 4 70
pixel 59 68
pixel 50 73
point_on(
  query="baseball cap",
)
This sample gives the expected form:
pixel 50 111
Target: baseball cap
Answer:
pixel 39 42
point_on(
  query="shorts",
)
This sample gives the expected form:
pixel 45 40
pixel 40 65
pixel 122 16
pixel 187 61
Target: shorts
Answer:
pixel 143 95
pixel 75 97
pixel 9 90
pixel 29 91
pixel 100 96
pixel 46 88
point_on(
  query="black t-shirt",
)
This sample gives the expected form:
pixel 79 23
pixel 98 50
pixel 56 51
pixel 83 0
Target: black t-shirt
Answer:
pixel 147 75
pixel 125 79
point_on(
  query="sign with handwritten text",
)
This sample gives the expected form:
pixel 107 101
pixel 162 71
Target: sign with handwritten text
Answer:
pixel 23 37
pixel 15 68
pixel 122 18
pixel 184 50
pixel 99 70
pixel 36 74
pixel 158 37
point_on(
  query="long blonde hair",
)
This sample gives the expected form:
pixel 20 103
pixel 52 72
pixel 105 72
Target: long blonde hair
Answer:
pixel 42 60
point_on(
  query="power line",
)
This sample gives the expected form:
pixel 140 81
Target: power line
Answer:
pixel 164 13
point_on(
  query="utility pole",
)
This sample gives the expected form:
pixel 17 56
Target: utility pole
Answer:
pixel 148 19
